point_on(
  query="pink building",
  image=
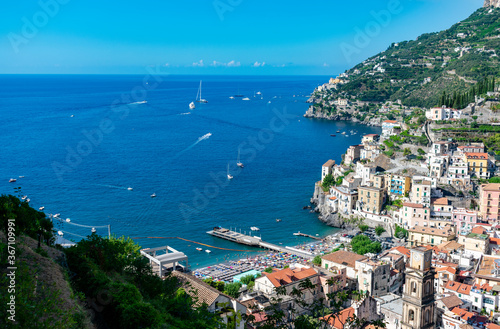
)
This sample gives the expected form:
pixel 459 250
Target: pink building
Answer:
pixel 464 219
pixel 489 198
pixel 414 214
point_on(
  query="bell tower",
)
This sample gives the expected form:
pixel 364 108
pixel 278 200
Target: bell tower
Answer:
pixel 418 293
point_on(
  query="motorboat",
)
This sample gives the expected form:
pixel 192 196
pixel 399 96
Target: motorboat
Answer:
pixel 278 220
pixel 255 228
pixel 245 99
pixel 192 106
pixel 199 249
pixel 208 251
pixel 153 195
pixel 12 180
pixel 41 208
pixel 129 188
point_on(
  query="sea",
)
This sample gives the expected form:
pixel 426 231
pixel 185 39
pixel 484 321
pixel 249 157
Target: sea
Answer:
pixel 95 148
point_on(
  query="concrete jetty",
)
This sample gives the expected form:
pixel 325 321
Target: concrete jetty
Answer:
pixel 248 240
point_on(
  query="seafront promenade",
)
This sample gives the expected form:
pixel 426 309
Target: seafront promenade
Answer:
pixel 226 271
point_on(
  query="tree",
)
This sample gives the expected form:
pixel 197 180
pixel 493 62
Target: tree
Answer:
pixel 363 227
pixel 495 179
pixel 317 260
pixel 421 152
pixel 379 230
pixel 311 313
pixel 400 232
pixel 247 279
pixel 406 151
pixel 361 244
pixel 268 269
pixel 327 182
pixel 233 289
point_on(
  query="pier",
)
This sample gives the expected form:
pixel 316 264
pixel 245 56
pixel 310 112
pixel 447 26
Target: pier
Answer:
pixel 253 241
pixel 308 235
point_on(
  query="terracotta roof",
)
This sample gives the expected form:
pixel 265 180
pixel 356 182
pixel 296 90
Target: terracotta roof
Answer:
pixel 474 155
pixel 464 314
pixel 459 288
pixel 371 135
pixel 495 241
pixel 451 301
pixel 483 286
pixel 333 198
pixel 344 258
pixel 447 269
pixel 329 163
pixel 478 230
pixel 492 326
pixel 440 201
pixel 338 320
pixel 412 205
pixel 402 250
pixel 390 121
pixel 491 187
pixel 287 275
pixel 449 246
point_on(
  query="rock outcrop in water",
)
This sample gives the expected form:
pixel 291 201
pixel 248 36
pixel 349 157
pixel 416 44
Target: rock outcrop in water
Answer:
pixel 325 214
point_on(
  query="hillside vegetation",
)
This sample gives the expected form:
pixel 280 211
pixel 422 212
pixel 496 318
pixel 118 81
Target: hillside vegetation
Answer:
pixel 418 72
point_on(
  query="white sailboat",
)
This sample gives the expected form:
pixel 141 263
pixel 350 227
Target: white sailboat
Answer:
pixel 238 162
pixel 199 99
pixel 228 175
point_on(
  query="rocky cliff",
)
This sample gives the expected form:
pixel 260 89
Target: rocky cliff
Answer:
pixel 325 215
pixel 492 3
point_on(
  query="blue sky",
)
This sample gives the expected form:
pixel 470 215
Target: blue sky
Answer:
pixel 211 37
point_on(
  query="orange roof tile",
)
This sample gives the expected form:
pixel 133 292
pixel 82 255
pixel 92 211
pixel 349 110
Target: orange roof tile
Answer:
pixel 440 201
pixel 402 250
pixel 464 314
pixel 478 230
pixel 460 288
pixel 474 155
pixel 338 320
pixel 390 121
pixel 412 205
pixel 287 275
pixel 447 269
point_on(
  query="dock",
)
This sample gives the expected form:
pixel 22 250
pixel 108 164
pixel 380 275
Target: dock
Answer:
pixel 308 235
pixel 253 241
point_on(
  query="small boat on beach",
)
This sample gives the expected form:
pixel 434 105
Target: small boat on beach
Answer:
pixel 199 249
pixel 12 180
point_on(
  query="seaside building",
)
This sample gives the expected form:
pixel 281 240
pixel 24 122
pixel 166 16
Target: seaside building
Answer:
pixel 458 173
pixel 397 185
pixel 342 260
pixel 489 201
pixel 365 170
pixel 472 148
pixel 414 214
pixel 327 169
pixel 345 198
pixel 418 294
pixel 478 164
pixel 373 276
pixel 370 138
pixel 464 219
pixel 441 209
pixel 353 154
pixel 421 192
pixel 289 279
pixel 370 199
pixel 420 235
pixel 216 301
pixel 476 243
pixel 388 126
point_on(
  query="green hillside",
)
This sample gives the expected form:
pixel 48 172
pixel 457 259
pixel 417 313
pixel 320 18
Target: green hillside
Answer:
pixel 417 72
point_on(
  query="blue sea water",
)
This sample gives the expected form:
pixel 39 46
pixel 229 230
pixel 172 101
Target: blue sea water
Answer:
pixel 81 140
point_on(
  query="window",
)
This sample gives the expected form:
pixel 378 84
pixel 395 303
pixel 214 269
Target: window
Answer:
pixel 427 287
pixel 411 315
pixel 413 287
pixel 427 316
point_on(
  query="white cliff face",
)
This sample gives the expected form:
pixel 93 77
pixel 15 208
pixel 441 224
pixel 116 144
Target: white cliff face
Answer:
pixel 492 3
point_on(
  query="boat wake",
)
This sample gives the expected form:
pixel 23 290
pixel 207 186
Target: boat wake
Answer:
pixel 141 102
pixel 186 113
pixel 112 186
pixel 206 136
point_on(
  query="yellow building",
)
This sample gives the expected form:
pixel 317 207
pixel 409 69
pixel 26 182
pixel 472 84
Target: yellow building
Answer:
pixel 478 164
pixel 397 185
pixel 420 235
pixel 371 199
